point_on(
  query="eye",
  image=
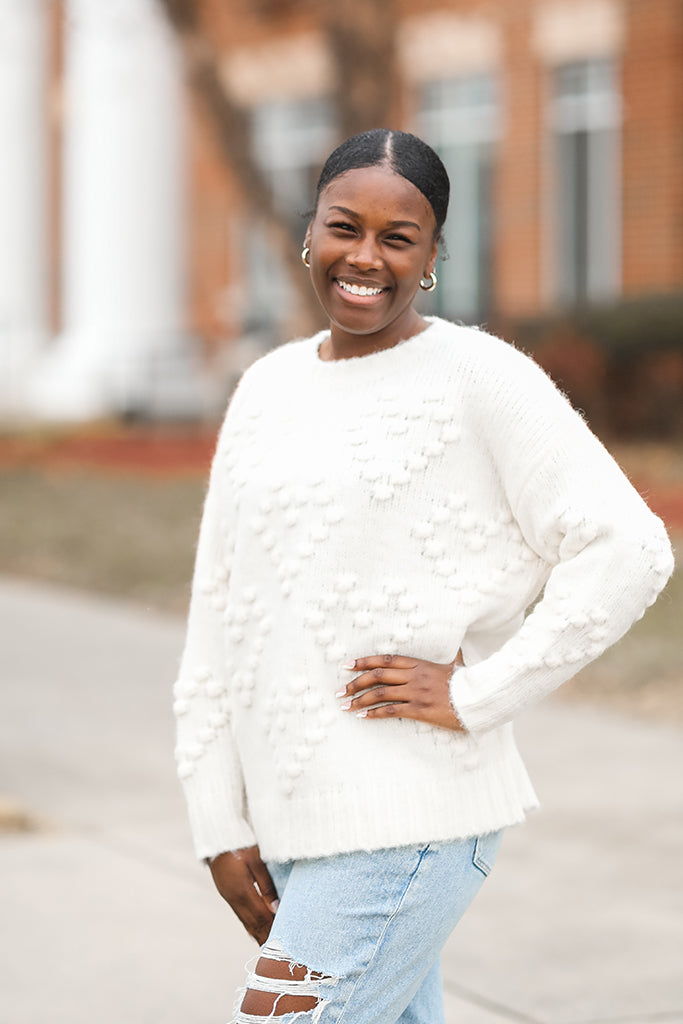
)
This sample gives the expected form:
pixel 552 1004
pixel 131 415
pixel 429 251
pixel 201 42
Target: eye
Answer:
pixel 342 225
pixel 401 239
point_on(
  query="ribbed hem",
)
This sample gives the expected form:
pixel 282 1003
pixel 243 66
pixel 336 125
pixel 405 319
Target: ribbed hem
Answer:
pixel 388 812
pixel 217 819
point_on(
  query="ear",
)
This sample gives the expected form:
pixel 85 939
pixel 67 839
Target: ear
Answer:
pixel 307 239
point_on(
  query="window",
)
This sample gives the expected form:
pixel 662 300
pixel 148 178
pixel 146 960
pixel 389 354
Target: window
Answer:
pixel 459 117
pixel 585 116
pixel 291 139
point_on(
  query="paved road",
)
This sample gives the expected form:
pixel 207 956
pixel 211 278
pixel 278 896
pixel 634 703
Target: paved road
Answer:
pixel 106 916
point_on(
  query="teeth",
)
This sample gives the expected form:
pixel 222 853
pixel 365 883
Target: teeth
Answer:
pixel 358 289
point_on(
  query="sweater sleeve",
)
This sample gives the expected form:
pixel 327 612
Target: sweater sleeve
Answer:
pixel 609 554
pixel 207 759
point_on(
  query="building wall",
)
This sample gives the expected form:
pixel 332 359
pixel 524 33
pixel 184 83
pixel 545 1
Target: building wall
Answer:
pixel 517 284
pixel 272 51
pixel 653 146
pixel 279 49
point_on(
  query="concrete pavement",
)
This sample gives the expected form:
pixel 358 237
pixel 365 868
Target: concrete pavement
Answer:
pixel 105 915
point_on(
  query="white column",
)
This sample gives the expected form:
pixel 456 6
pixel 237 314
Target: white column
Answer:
pixel 23 193
pixel 123 347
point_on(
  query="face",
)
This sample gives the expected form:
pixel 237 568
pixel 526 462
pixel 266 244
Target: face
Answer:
pixel 372 239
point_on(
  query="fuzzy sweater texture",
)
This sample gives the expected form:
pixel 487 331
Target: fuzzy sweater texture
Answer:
pixel 413 501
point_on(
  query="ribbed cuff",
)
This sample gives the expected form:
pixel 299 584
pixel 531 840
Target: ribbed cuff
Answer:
pixel 458 668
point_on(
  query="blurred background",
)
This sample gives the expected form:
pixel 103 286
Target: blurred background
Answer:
pixel 158 162
pixel 160 157
pixel 158 165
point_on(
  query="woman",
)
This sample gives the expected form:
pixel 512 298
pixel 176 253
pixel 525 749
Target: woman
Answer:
pixel 386 500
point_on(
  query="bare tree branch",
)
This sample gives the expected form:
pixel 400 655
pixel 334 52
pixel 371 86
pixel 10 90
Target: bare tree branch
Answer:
pixel 232 131
pixel 361 36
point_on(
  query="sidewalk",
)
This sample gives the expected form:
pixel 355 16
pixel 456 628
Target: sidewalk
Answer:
pixel 107 918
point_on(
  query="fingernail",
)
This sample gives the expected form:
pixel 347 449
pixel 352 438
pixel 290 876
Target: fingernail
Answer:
pixel 346 706
pixel 341 693
pixel 362 714
pixel 274 905
pixel 349 664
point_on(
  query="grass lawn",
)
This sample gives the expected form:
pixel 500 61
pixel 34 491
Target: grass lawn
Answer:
pixel 129 536
pixel 643 672
pixel 132 534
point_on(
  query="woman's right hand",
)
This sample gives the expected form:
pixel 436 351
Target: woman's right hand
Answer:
pixel 243 881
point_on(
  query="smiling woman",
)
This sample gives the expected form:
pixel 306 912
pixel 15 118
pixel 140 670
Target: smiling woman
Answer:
pixel 367 262
pixel 373 239
pixel 386 500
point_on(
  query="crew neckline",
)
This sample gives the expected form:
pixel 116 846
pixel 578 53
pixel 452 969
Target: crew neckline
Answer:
pixel 322 336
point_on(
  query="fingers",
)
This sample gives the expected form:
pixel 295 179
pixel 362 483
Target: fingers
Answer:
pixel 381 661
pixel 410 704
pixel 265 883
pixel 235 876
pixel 395 686
pixel 385 669
pixel 375 677
pixel 253 912
pixel 405 709
pixel 377 695
pixel 391 661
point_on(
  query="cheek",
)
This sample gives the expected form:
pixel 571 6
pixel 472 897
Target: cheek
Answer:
pixel 410 271
pixel 324 252
pixel 412 262
pixel 319 278
pixel 319 266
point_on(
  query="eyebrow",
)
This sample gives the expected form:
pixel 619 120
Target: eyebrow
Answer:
pixel 392 224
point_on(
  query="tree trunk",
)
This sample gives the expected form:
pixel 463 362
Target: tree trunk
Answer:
pixel 361 36
pixel 232 131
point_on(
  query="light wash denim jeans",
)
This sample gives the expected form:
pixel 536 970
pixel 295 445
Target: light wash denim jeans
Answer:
pixel 373 925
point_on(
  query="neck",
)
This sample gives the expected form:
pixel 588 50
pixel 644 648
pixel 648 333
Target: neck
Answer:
pixel 342 345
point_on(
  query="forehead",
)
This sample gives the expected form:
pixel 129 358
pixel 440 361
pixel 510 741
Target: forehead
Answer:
pixel 378 192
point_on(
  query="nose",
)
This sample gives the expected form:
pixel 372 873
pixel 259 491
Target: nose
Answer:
pixel 365 254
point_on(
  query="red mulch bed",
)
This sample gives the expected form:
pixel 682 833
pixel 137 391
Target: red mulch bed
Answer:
pixel 171 452
pixel 667 502
pixel 155 452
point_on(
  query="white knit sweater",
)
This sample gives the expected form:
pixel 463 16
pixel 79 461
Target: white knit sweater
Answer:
pixel 412 501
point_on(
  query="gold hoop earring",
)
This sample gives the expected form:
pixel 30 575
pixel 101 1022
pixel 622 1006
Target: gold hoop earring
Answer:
pixel 431 285
pixel 304 256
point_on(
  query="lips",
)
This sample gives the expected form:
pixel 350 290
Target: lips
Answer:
pixel 356 289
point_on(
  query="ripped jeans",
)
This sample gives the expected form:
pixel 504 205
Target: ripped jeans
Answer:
pixel 357 937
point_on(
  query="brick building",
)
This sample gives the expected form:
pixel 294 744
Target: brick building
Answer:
pixel 560 121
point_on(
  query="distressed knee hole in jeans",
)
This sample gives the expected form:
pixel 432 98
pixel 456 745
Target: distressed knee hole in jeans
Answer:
pixel 277 986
